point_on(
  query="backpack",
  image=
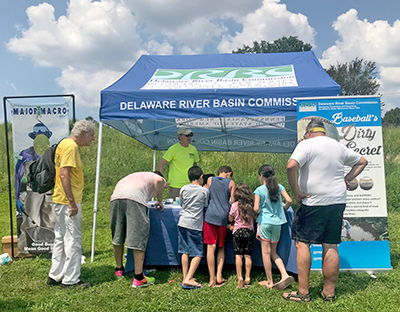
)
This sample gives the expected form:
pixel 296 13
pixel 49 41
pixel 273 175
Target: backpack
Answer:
pixel 42 172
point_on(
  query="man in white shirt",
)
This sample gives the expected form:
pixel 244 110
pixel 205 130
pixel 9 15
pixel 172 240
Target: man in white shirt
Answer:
pixel 321 194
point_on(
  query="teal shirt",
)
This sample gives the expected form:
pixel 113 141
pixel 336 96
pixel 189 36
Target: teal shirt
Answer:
pixel 270 213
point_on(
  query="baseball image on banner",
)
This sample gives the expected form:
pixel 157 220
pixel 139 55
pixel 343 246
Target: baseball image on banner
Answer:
pixel 35 129
pixel 356 123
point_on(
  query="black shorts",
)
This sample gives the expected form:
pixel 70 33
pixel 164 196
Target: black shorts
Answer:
pixel 243 241
pixel 318 224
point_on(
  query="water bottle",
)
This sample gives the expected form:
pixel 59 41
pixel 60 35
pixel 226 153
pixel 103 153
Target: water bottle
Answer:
pixel 5 259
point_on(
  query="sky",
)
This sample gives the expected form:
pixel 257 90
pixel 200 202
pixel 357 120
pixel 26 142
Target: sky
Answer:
pixel 82 46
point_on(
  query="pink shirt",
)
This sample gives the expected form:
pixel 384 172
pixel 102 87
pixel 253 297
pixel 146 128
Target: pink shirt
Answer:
pixel 239 223
pixel 138 186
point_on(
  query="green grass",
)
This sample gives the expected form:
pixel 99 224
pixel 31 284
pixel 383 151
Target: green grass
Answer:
pixel 22 283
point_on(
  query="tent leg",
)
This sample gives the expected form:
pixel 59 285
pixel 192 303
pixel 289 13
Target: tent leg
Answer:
pixel 154 160
pixel 96 193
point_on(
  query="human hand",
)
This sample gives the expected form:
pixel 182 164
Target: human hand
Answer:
pixel 300 196
pixel 159 205
pixel 73 210
pixel 20 206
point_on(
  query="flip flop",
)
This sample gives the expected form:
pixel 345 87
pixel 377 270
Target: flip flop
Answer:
pixel 195 286
pixel 283 284
pixel 219 284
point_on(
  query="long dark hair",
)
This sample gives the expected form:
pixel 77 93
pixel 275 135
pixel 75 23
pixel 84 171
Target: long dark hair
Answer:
pixel 268 172
pixel 244 196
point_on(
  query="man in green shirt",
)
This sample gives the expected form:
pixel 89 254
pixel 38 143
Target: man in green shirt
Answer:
pixel 180 156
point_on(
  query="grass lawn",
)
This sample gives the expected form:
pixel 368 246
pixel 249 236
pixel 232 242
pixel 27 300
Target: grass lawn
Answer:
pixel 22 283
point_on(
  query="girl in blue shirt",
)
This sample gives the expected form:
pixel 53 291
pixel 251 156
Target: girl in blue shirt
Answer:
pixel 268 204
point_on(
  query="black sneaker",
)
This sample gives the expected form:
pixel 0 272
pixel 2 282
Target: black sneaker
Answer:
pixel 80 284
pixel 52 282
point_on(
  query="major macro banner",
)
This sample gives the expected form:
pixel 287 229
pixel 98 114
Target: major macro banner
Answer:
pixel 35 128
pixel 356 123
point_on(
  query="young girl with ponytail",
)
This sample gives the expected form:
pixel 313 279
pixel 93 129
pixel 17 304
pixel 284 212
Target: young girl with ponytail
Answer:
pixel 268 203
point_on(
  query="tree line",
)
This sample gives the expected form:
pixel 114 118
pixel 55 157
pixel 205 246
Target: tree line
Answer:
pixel 356 77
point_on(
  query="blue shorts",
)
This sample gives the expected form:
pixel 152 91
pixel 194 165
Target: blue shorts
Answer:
pixel 190 242
pixel 268 232
pixel 318 224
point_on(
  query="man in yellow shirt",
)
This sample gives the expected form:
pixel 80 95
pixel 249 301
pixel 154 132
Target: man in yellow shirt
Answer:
pixel 181 156
pixel 67 196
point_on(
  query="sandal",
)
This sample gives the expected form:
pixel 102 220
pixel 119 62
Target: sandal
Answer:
pixel 298 297
pixel 325 297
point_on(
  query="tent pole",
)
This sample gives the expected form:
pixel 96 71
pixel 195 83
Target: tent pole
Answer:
pixel 154 160
pixel 96 193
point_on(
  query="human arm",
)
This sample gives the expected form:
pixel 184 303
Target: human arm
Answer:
pixel 256 203
pixel 355 170
pixel 232 190
pixel 288 200
pixel 207 186
pixel 291 169
pixel 66 184
pixel 161 164
pixel 159 184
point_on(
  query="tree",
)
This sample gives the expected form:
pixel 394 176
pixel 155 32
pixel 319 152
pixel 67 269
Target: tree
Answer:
pixel 284 44
pixel 392 118
pixel 356 77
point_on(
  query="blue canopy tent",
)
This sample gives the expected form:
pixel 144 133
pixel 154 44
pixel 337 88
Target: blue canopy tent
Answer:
pixel 233 102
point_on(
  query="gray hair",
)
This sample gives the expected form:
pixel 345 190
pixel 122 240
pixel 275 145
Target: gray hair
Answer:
pixel 82 126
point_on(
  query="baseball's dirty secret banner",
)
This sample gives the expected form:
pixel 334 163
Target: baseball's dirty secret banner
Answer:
pixel 35 128
pixel 356 122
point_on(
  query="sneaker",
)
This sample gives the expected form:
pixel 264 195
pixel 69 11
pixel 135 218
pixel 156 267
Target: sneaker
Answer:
pixel 80 284
pixel 144 282
pixel 52 282
pixel 119 272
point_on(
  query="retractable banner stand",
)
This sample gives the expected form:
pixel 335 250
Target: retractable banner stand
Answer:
pixel 356 122
pixel 35 128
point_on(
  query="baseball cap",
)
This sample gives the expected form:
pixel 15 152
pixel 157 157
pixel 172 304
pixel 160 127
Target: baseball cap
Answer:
pixel 185 131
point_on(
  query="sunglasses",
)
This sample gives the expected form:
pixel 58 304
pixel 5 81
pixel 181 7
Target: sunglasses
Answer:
pixel 188 135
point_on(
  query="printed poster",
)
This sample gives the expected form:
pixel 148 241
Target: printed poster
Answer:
pixel 35 128
pixel 356 123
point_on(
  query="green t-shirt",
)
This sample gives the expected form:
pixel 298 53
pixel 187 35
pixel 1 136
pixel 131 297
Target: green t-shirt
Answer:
pixel 180 160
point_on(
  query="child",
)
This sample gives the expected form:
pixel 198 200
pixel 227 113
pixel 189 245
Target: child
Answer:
pixel 243 215
pixel 193 199
pixel 216 220
pixel 268 203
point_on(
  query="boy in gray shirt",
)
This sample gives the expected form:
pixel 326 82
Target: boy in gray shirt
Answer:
pixel 193 199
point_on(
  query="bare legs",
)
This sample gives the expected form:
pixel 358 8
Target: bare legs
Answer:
pixel 269 252
pixel 330 268
pixel 215 278
pixel 118 254
pixel 138 257
pixel 189 268
pixel 239 264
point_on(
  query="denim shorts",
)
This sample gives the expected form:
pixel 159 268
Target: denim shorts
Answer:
pixel 190 242
pixel 318 224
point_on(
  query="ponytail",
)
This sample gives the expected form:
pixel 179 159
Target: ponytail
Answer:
pixel 268 172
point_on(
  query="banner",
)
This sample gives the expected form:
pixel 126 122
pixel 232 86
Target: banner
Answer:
pixel 35 128
pixel 356 122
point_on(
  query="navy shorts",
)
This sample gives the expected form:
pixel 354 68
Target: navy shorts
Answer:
pixel 190 242
pixel 318 224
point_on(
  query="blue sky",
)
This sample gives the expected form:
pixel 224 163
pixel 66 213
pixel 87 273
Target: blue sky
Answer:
pixel 82 46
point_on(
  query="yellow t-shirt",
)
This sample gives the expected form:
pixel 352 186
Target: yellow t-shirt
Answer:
pixel 180 160
pixel 67 155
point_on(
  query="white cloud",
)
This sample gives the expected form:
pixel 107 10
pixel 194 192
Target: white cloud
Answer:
pixel 94 42
pixel 269 22
pixel 376 41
